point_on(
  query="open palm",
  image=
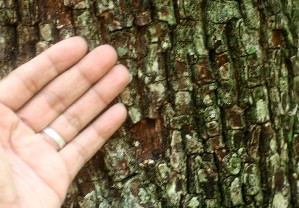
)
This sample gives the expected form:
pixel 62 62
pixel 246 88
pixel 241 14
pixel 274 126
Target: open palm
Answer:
pixel 66 90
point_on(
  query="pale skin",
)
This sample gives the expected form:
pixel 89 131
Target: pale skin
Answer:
pixel 67 89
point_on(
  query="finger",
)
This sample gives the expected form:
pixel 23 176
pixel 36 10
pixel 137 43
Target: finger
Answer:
pixel 8 192
pixel 29 78
pixel 87 143
pixel 67 88
pixel 84 110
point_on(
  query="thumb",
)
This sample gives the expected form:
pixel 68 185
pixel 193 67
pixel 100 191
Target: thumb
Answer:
pixel 8 192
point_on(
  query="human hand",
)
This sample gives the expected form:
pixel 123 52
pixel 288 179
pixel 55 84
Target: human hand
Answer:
pixel 65 90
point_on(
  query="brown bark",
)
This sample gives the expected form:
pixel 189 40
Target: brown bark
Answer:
pixel 213 119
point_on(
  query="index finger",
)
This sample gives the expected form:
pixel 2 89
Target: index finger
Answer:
pixel 20 85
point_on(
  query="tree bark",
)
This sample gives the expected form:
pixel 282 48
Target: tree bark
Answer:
pixel 213 104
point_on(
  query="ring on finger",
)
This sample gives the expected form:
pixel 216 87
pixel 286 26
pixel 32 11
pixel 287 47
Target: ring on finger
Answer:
pixel 54 136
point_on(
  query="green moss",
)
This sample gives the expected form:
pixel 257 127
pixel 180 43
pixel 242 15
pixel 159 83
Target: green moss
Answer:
pixel 223 11
pixel 135 114
pixel 236 192
pixel 280 201
pixel 234 165
pixel 165 11
pixel 261 105
pixel 122 51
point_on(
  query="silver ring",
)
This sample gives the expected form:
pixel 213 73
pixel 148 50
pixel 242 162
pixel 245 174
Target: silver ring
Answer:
pixel 55 136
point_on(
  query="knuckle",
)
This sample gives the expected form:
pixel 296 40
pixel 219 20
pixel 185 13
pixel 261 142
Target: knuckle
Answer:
pixel 74 120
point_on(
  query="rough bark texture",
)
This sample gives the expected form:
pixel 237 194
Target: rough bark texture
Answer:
pixel 213 105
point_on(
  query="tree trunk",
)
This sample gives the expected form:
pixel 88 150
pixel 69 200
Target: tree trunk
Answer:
pixel 213 104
